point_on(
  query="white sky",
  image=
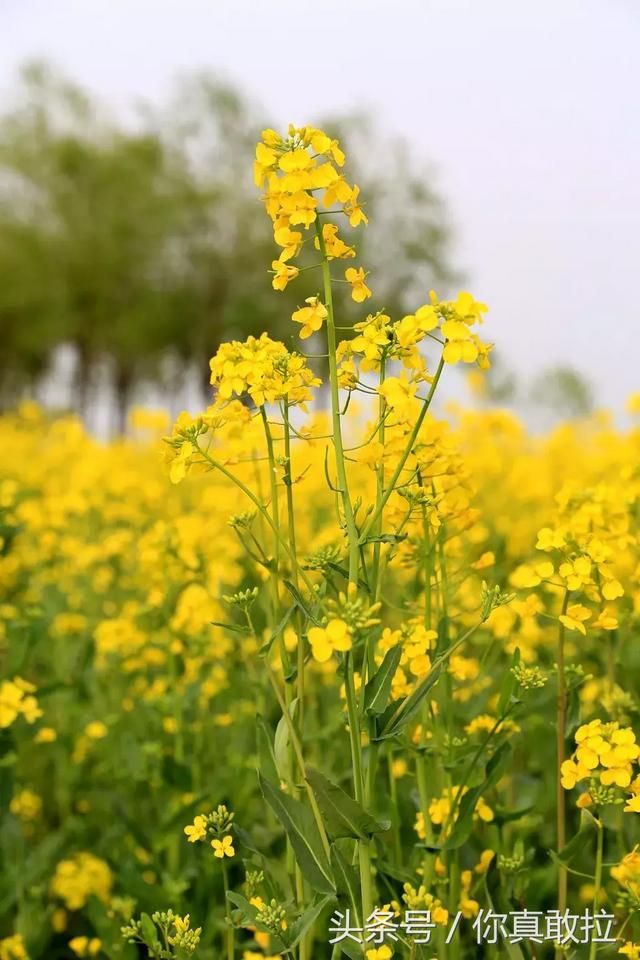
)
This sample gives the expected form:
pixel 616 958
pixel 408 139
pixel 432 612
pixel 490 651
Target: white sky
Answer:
pixel 529 110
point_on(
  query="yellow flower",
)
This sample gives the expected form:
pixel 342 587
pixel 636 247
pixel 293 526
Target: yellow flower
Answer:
pixel 311 317
pixel 630 950
pixel 353 209
pixel 359 290
pixel 45 735
pixel 325 640
pixel 633 804
pixel 571 772
pixel 284 273
pixel 13 948
pixel 633 403
pixel 486 858
pixel 576 572
pixel 574 618
pixel 380 953
pixel 197 830
pixel 223 848
pixel 459 344
pixel 549 539
pixel 399 394
pixel 335 247
pixel 96 730
pixel 85 946
pixel 26 805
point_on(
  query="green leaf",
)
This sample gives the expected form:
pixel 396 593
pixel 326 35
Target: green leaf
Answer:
pixel 347 880
pixel 509 684
pixel 410 705
pixel 281 744
pixel 266 754
pixel 233 627
pixel 306 921
pixel 266 646
pixel 247 910
pixel 300 601
pixel 385 538
pixel 513 949
pixel 463 823
pixel 304 835
pixel 149 932
pixel 378 689
pixel 344 817
pixel 577 843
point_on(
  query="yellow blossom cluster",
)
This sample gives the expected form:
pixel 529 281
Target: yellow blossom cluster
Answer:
pixel 82 876
pixel 606 753
pixel 16 700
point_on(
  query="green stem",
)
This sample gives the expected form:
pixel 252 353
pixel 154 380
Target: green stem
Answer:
pixel 369 526
pixel 597 882
pixel 297 746
pixel 305 944
pixel 288 481
pixel 364 853
pixel 352 531
pixel 561 719
pixel 230 932
pixel 260 507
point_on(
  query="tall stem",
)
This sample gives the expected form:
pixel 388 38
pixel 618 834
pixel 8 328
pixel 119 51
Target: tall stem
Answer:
pixel 364 857
pixel 259 506
pixel 597 883
pixel 305 943
pixel 230 932
pixel 404 456
pixel 352 532
pixel 561 719
pixel 291 520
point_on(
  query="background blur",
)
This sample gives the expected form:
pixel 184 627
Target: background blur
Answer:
pixel 497 145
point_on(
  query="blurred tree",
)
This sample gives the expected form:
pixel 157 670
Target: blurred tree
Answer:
pixel 136 246
pixel 565 392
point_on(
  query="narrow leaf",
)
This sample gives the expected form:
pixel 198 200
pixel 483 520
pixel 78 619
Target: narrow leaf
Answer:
pixel 308 918
pixel 266 646
pixel 266 754
pixel 378 689
pixel 463 824
pixel 300 601
pixel 303 833
pixel 344 817
pixel 347 880
pixel 411 704
pixel 281 744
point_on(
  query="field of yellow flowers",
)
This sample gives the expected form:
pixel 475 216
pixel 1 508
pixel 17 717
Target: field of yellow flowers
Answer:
pixel 339 678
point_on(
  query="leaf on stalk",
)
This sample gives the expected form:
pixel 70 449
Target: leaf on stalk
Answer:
pixel 343 816
pixel 466 809
pixel 378 689
pixel 304 923
pixel 266 646
pixel 266 753
pixel 347 880
pixel 300 601
pixel 281 744
pixel 411 704
pixel 304 835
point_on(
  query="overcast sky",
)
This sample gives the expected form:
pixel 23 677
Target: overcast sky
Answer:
pixel 528 109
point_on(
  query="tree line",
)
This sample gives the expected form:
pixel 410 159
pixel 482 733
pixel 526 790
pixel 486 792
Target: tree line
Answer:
pixel 143 245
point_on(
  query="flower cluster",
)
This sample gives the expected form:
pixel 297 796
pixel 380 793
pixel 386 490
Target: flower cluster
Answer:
pixel 217 825
pixel 16 699
pixel 262 369
pixel 300 173
pixel 605 755
pixel 81 877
